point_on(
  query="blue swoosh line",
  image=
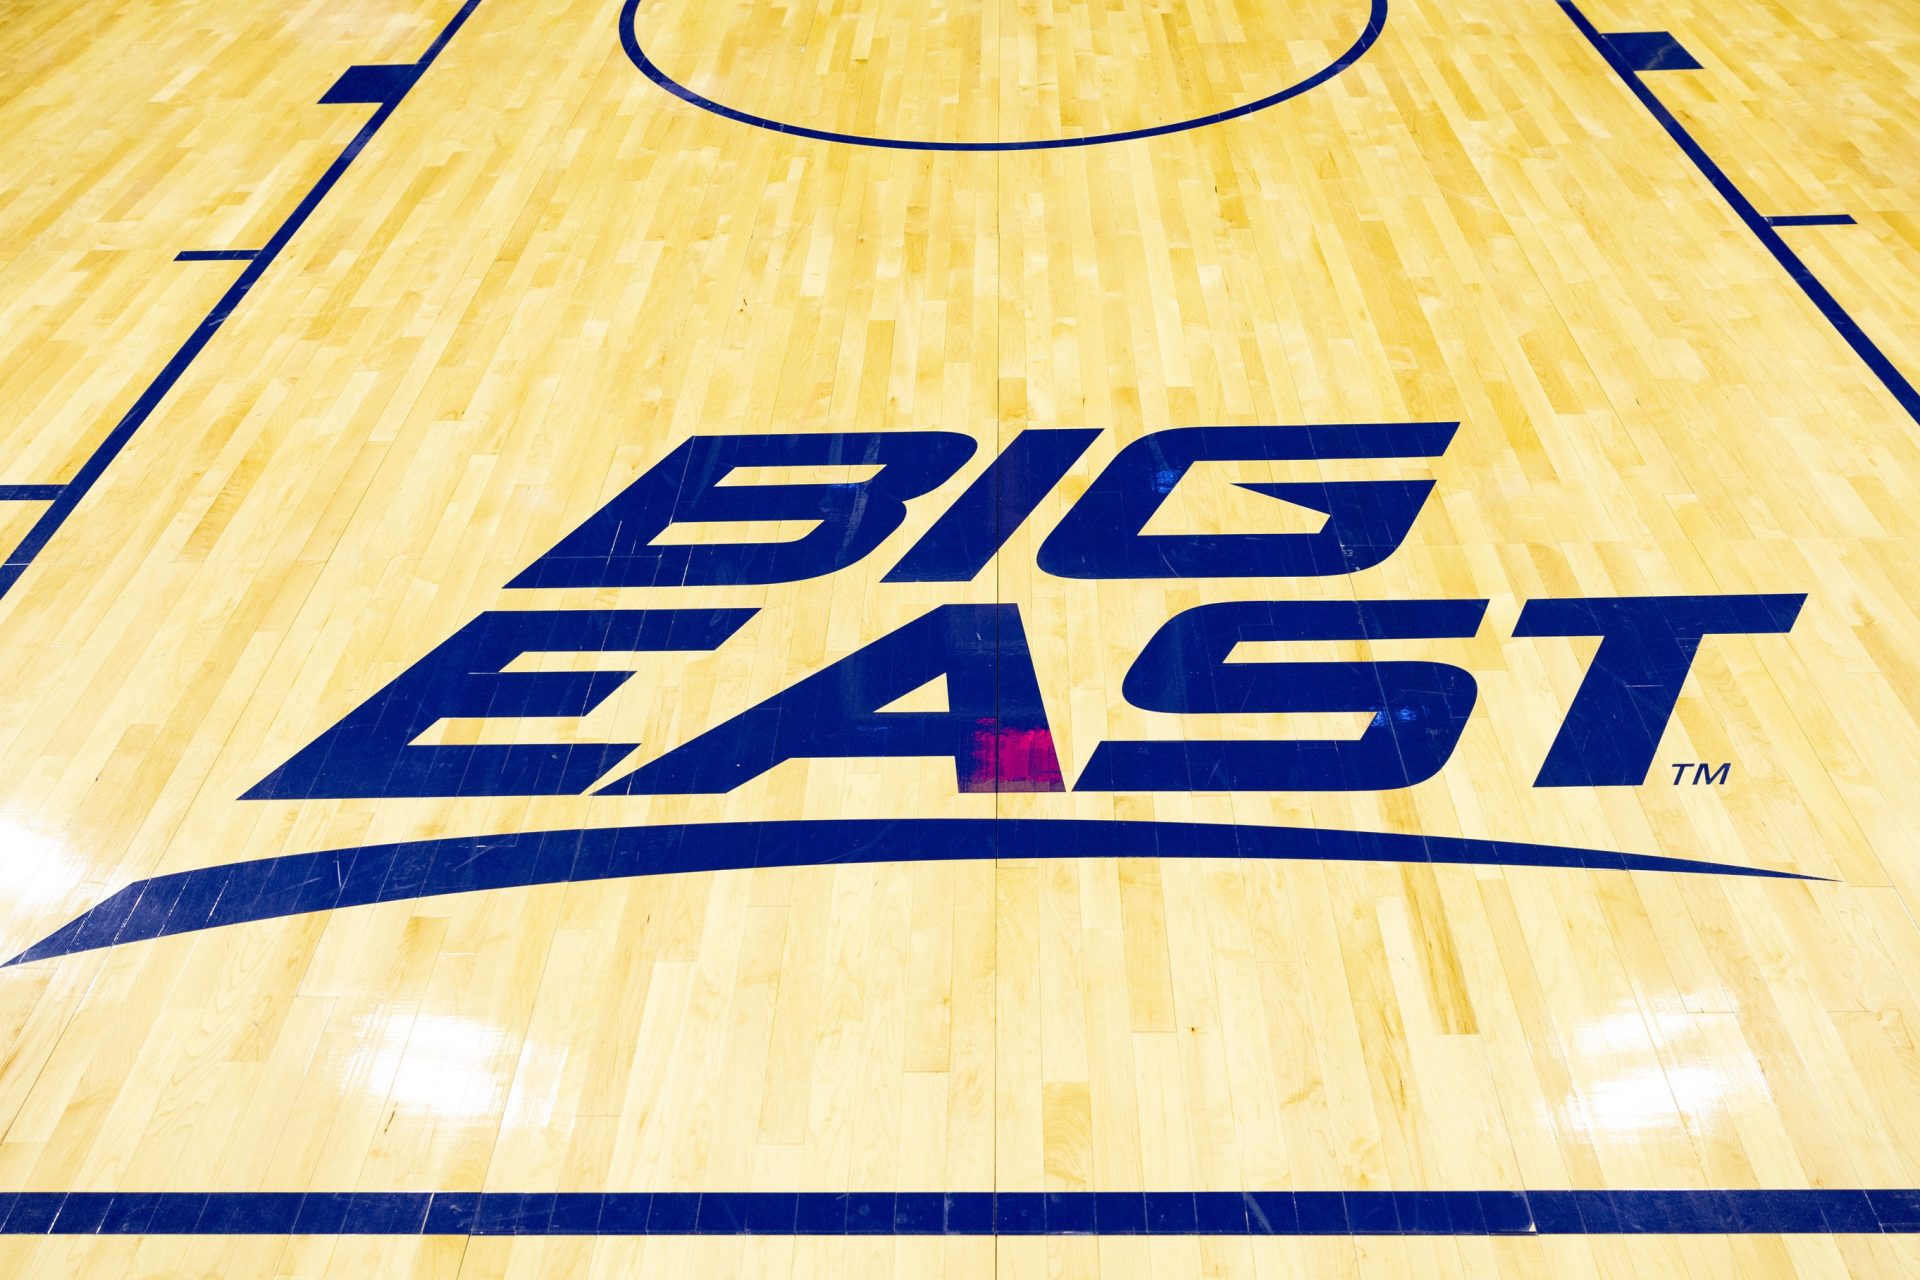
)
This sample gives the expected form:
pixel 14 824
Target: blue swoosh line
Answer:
pixel 1376 23
pixel 299 883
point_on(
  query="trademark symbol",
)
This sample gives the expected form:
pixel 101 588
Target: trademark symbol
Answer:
pixel 1704 775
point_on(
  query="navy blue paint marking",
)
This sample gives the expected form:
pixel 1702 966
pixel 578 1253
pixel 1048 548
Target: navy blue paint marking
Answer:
pixel 965 1213
pixel 77 488
pixel 1811 220
pixel 1415 710
pixel 295 884
pixel 1651 51
pixel 1844 324
pixel 216 255
pixel 1102 535
pixel 964 539
pixel 373 82
pixel 615 546
pixel 1376 23
pixel 30 492
pixel 1615 721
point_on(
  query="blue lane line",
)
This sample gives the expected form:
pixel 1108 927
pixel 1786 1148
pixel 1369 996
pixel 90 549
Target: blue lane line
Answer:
pixel 216 255
pixel 1863 346
pixel 96 464
pixel 1811 220
pixel 966 1213
pixel 296 884
pixel 1376 23
pixel 30 492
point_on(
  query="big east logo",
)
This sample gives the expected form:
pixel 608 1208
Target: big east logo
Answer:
pixel 995 729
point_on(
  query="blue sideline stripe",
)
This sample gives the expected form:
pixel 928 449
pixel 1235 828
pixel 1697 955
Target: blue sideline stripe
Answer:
pixel 30 492
pixel 216 255
pixel 966 1213
pixel 1376 23
pixel 295 884
pixel 163 382
pixel 1843 323
pixel 1811 220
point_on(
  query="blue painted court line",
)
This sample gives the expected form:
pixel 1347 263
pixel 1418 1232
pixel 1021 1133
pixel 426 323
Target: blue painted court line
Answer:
pixel 1376 23
pixel 1891 378
pixel 1811 220
pixel 374 82
pixel 29 492
pixel 975 1213
pixel 300 883
pixel 216 255
pixel 75 489
pixel 1651 51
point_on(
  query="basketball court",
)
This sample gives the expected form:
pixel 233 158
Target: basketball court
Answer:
pixel 690 639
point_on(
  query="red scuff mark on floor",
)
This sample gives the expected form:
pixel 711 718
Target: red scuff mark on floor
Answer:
pixel 1010 759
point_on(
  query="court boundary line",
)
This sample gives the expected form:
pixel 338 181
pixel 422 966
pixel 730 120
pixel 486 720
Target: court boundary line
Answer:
pixel 216 255
pixel 1762 227
pixel 1520 1213
pixel 69 493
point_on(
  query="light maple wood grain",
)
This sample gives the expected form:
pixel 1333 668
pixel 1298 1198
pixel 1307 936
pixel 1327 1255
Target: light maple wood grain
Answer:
pixel 545 272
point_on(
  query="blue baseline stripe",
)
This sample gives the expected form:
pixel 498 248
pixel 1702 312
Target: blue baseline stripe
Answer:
pixel 216 255
pixel 96 464
pixel 967 1213
pixel 295 884
pixel 1376 23
pixel 1837 316
pixel 30 492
